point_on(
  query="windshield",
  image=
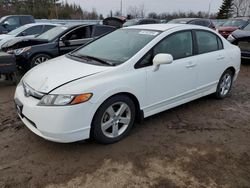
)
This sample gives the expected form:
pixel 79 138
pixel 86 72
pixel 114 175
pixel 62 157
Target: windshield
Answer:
pixel 118 46
pixel 52 33
pixel 247 28
pixel 15 32
pixel 234 23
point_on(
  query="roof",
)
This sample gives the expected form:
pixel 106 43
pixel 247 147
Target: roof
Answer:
pixel 42 23
pixel 162 27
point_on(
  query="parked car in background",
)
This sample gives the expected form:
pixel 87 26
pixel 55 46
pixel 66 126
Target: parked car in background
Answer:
pixel 30 30
pixel 60 40
pixel 116 21
pixel 241 38
pixel 233 24
pixel 141 22
pixel 99 90
pixel 219 22
pixel 11 22
pixel 194 21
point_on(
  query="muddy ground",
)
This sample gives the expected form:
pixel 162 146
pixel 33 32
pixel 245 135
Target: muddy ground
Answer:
pixel 205 143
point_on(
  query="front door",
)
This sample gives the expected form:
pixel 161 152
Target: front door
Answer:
pixel 75 39
pixel 174 82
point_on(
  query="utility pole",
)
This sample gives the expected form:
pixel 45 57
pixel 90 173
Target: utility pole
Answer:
pixel 121 8
pixel 209 8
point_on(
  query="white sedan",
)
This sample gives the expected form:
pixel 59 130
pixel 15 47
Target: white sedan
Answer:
pixel 101 89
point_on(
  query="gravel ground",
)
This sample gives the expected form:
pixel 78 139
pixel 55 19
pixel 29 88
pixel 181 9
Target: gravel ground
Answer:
pixel 205 143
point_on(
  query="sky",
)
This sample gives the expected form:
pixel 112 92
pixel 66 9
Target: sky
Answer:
pixel 158 6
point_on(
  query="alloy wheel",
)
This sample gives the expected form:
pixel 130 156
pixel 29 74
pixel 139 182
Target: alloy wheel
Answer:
pixel 116 119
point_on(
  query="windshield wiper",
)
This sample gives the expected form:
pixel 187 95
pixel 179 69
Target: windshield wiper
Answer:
pixel 86 57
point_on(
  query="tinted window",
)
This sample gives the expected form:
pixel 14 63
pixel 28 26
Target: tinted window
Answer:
pixel 207 42
pixel 99 30
pixel 247 28
pixel 178 45
pixel 12 21
pixel 202 23
pixel 33 30
pixel 48 27
pixel 80 33
pixel 26 20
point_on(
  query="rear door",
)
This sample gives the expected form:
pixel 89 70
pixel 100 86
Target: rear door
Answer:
pixel 74 39
pixel 211 59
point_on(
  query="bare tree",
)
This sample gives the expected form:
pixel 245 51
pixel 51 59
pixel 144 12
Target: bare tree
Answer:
pixel 241 7
pixel 137 11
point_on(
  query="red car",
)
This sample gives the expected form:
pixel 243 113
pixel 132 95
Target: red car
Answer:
pixel 233 24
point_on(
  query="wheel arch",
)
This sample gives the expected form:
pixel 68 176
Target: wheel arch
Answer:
pixel 231 69
pixel 37 53
pixel 139 113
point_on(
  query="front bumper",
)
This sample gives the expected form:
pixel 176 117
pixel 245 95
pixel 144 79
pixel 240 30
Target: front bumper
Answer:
pixel 59 124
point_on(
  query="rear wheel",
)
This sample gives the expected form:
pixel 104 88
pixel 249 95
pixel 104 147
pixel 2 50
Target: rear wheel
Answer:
pixel 224 85
pixel 38 59
pixel 113 120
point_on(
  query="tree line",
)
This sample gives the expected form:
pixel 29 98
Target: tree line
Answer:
pixel 46 9
pixel 57 9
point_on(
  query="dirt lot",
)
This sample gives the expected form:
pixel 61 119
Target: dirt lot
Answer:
pixel 205 143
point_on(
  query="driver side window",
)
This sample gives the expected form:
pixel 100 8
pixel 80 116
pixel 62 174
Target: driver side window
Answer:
pixel 80 33
pixel 179 45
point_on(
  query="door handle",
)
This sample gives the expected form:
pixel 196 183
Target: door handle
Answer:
pixel 220 58
pixel 190 65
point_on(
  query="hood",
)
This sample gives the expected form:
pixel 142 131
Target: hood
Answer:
pixel 21 42
pixel 241 34
pixel 5 36
pixel 230 29
pixel 57 72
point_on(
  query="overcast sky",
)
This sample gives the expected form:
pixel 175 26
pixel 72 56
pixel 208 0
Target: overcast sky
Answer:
pixel 159 6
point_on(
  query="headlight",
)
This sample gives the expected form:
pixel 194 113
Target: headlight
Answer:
pixel 19 51
pixel 62 100
pixel 231 38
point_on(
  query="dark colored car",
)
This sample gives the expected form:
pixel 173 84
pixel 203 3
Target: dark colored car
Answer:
pixel 141 22
pixel 232 25
pixel 242 39
pixel 195 21
pixel 9 23
pixel 116 22
pixel 60 40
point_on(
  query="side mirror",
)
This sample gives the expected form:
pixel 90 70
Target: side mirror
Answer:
pixel 162 59
pixel 65 41
pixel 5 24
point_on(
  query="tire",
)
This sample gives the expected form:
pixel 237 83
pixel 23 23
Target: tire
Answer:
pixel 225 85
pixel 38 59
pixel 110 126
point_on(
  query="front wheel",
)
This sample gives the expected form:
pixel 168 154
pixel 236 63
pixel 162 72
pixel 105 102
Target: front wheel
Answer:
pixel 38 59
pixel 113 120
pixel 225 85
